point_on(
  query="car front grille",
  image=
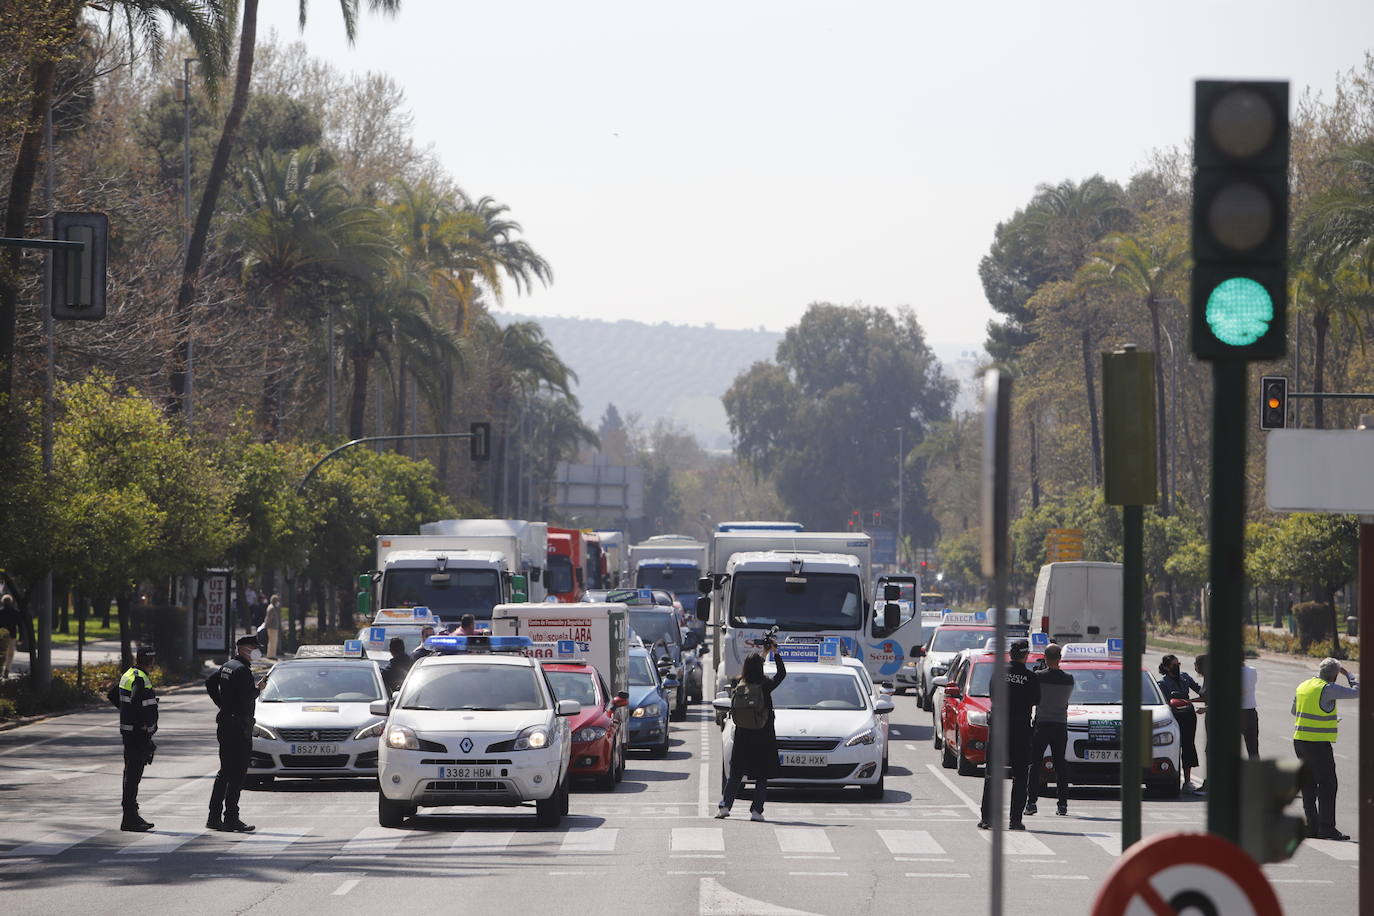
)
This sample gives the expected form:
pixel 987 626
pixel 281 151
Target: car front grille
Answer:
pixel 808 744
pixel 315 734
pixel 314 761
pixel 830 771
pixel 456 762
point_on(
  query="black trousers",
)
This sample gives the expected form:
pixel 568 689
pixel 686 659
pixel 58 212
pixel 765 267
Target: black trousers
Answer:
pixel 1318 784
pixel 1018 751
pixel 235 747
pixel 1249 730
pixel 135 759
pixel 1055 736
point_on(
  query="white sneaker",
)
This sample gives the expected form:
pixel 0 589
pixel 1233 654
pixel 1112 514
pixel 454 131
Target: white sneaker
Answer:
pixel 755 815
pixel 722 811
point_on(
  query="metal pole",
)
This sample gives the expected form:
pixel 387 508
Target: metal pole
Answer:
pixel 1224 653
pixel 1365 592
pixel 996 484
pixel 901 501
pixel 1132 586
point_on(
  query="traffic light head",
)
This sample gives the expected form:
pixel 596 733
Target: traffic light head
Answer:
pixel 1240 220
pixel 1273 402
pixel 78 278
pixel 1268 832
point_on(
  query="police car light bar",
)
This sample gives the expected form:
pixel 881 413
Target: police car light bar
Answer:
pixel 1081 651
pixel 472 645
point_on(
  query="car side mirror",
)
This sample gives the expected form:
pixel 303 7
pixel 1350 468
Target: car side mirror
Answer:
pixel 892 592
pixel 569 707
pixel 704 585
pixel 721 703
pixel 883 704
pixel 704 650
pixel 380 708
pixel 892 614
pixel 703 610
pixel 940 681
pixel 952 691
pixel 918 652
pixel 620 700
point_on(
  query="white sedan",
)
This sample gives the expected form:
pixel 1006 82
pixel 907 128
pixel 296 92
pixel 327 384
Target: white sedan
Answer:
pixel 830 727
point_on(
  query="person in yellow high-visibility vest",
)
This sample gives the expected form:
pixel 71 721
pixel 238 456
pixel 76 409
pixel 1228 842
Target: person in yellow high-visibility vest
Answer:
pixel 1314 738
pixel 133 695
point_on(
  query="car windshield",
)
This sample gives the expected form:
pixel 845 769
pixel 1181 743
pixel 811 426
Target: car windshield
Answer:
pixel 351 683
pixel 558 577
pixel 465 591
pixel 947 640
pixel 1102 687
pixel 925 633
pixel 573 685
pixel 641 672
pixel 808 690
pixel 810 601
pixel 676 579
pixel 652 626
pixel 471 687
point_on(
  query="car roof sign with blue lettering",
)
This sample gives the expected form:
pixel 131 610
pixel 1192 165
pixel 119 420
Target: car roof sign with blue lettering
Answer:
pixel 376 634
pixel 964 617
pixel 353 647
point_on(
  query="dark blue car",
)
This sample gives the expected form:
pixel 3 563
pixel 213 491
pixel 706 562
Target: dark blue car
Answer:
pixel 648 704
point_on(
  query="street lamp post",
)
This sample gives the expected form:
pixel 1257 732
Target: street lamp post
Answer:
pixel 901 501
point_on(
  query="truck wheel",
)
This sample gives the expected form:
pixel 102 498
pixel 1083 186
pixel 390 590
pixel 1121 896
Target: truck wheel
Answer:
pixel 874 791
pixel 390 813
pixel 548 812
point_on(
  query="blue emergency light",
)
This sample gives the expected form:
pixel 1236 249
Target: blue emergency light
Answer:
pixel 472 645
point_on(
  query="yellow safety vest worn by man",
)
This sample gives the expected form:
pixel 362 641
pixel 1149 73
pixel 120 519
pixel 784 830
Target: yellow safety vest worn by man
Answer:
pixel 137 703
pixel 1315 726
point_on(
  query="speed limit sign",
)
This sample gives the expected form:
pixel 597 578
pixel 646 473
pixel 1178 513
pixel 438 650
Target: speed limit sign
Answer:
pixel 1198 874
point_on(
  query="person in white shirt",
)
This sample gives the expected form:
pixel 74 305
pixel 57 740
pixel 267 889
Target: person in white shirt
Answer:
pixel 1249 711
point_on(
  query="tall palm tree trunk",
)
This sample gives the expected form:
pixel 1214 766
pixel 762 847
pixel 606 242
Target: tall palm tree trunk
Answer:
pixel 214 181
pixel 357 407
pixel 1321 323
pixel 1034 464
pixel 1161 430
pixel 1085 339
pixel 273 365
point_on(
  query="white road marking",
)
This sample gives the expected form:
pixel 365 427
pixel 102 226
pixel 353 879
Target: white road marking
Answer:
pixel 1110 842
pixel 482 841
pixel 910 842
pixel 704 775
pixel 267 842
pixel 803 840
pixel 936 874
pixel 713 899
pixel 156 844
pixel 1336 849
pixel 698 839
pixel 590 839
pixel 345 887
pixel 1017 843
pixel 373 841
pixel 911 747
pixel 52 844
pixel 958 792
pixel 696 872
pixel 76 771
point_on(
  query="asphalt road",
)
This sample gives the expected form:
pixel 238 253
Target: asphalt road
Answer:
pixel 650 846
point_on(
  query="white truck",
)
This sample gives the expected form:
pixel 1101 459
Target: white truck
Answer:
pixel 595 633
pixel 804 584
pixel 670 561
pixel 1079 601
pixel 530 547
pixel 450 575
pixel 616 549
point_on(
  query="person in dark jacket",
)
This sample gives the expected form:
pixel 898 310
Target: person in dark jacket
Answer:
pixel 1175 683
pixel 235 693
pixel 420 651
pixel 1023 693
pixel 1051 727
pixel 134 697
pixel 11 629
pixel 755 750
pixel 394 674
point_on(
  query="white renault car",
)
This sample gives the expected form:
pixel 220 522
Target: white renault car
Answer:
pixel 313 717
pixel 475 724
pixel 831 728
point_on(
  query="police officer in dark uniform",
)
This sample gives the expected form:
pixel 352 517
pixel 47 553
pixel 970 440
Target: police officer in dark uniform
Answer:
pixel 1023 693
pixel 235 693
pixel 136 701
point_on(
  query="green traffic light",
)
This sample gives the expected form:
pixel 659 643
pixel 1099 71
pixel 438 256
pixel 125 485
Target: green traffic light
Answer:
pixel 1239 311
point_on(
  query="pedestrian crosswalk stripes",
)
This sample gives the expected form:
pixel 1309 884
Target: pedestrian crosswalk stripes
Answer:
pixel 482 840
pixel 156 844
pixel 590 839
pixel 1017 843
pixel 910 843
pixel 372 841
pixel 266 842
pixel 801 840
pixel 698 839
pixel 53 843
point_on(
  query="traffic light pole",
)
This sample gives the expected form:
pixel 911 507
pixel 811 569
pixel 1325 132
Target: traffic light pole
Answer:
pixel 1224 650
pixel 1132 584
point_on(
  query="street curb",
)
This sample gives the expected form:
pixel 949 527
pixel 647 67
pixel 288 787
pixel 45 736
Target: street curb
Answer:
pixel 11 724
pixel 1299 661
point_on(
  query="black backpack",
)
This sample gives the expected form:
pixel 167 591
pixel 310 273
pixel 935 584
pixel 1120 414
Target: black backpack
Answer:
pixel 749 706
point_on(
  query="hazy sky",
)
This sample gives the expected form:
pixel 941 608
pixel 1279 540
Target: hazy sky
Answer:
pixel 730 162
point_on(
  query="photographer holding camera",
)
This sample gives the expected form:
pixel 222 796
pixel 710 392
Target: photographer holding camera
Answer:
pixel 755 750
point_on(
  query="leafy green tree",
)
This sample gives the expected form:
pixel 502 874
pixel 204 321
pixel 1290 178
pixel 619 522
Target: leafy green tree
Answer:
pixel 1320 550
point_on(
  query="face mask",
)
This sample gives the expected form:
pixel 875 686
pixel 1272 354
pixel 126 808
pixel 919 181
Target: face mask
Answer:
pixel 254 655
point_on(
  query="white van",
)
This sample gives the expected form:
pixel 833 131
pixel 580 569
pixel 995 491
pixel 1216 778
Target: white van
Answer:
pixel 1079 601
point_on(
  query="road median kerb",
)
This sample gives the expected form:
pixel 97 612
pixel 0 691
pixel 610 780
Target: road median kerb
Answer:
pixel 11 724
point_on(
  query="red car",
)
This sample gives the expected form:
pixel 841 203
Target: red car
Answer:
pixel 598 731
pixel 962 704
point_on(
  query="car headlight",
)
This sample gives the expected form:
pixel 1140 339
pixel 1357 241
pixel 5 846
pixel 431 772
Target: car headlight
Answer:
pixel 867 737
pixel 402 738
pixel 262 731
pixel 531 739
pixel 641 711
pixel 589 733
pixel 1162 739
pixel 370 731
pixel 977 718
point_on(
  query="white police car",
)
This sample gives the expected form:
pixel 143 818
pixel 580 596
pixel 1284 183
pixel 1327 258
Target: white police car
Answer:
pixel 831 728
pixel 475 724
pixel 313 716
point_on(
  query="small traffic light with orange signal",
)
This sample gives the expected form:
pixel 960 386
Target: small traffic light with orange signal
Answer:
pixel 1273 402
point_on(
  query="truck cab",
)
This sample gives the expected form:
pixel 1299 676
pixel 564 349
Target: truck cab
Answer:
pixel 450 583
pixel 564 578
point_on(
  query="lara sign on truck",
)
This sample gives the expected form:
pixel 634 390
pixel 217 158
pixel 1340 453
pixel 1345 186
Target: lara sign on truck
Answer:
pixel 600 633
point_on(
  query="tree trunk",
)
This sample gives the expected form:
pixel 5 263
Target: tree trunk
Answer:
pixel 214 181
pixel 357 407
pixel 1161 430
pixel 1096 434
pixel 1321 323
pixel 17 215
pixel 1034 464
pixel 272 365
pixel 125 603
pixel 1335 633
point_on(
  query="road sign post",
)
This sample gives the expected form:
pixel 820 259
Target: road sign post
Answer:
pixel 996 526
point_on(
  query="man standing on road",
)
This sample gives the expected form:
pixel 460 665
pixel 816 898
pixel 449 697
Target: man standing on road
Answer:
pixel 272 620
pixel 394 674
pixel 1023 693
pixel 136 701
pixel 420 651
pixel 11 626
pixel 234 692
pixel 1051 728
pixel 1314 737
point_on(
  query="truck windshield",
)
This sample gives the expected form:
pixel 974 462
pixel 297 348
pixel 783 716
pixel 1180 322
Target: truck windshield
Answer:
pixel 652 626
pixel 813 601
pixel 558 577
pixel 466 591
pixel 680 580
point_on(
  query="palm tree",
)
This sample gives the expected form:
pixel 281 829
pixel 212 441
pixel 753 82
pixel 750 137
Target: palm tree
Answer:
pixel 219 165
pixel 296 222
pixel 53 28
pixel 1148 266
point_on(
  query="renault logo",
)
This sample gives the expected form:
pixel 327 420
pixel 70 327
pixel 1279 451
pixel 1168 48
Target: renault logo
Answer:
pixel 466 745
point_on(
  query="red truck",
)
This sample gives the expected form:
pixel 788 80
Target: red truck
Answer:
pixel 564 578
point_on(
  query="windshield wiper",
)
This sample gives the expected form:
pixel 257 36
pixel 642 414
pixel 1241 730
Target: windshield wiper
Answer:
pixel 423 707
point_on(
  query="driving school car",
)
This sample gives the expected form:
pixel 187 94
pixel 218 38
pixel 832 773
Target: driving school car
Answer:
pixel 405 622
pixel 475 724
pixel 956 632
pixel 831 729
pixel 908 676
pixel 961 702
pixel 313 716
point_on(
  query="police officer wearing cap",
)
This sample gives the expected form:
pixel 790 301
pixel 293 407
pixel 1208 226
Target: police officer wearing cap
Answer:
pixel 235 693
pixel 136 700
pixel 1023 693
